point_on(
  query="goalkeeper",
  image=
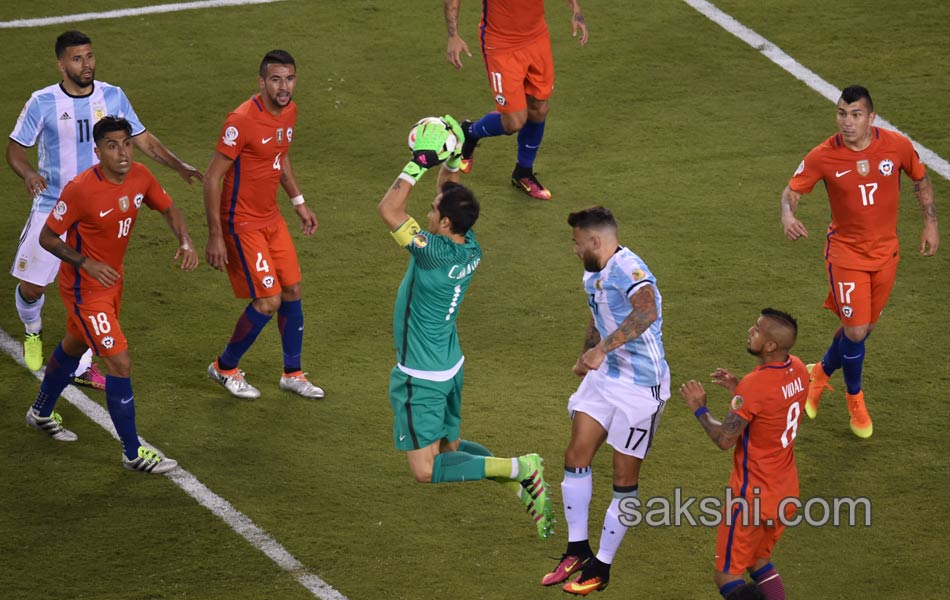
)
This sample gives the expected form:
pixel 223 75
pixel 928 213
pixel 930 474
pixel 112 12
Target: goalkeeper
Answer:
pixel 425 386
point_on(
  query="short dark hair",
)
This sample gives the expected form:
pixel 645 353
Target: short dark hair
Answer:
pixel 276 57
pixel 593 217
pixel 853 93
pixel 70 38
pixel 108 124
pixel 783 318
pixel 459 205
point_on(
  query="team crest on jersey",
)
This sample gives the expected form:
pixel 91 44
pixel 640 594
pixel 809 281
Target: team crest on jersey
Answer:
pixel 500 100
pixel 886 167
pixel 847 311
pixel 280 135
pixel 124 204
pixel 736 403
pixel 638 274
pixel 420 241
pixel 137 201
pixel 230 135
pixel 598 285
pixel 59 210
pixel 22 264
pixel 268 281
pixel 108 342
pixel 864 167
pixel 290 134
pixel 801 167
pixel 99 113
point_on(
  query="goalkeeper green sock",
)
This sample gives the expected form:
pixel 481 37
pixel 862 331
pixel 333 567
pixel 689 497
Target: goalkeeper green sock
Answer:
pixel 457 466
pixel 477 449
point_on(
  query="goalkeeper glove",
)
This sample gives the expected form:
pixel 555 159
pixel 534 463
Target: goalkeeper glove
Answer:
pixel 454 161
pixel 428 150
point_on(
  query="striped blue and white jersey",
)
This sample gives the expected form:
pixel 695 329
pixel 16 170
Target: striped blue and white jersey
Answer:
pixel 641 361
pixel 62 125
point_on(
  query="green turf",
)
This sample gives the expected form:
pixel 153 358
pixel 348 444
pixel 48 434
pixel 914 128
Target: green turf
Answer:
pixel 684 131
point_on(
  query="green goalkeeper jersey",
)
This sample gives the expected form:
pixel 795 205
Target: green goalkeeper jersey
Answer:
pixel 428 302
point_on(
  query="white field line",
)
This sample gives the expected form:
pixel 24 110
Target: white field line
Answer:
pixel 220 507
pixel 805 75
pixel 126 12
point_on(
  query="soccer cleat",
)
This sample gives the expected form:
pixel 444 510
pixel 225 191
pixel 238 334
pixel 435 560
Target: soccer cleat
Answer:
pixel 298 384
pixel 233 381
pixel 590 580
pixel 817 383
pixel 92 378
pixel 468 147
pixel 567 566
pixel 861 424
pixel 33 351
pixel 528 183
pixel 52 425
pixel 535 494
pixel 149 461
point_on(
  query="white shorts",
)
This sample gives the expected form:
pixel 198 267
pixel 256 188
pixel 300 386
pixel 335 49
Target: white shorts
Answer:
pixel 33 264
pixel 630 414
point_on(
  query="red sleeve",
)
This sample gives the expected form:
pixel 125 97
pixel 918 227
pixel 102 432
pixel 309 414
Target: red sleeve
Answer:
pixel 808 173
pixel 745 402
pixel 156 197
pixel 235 134
pixel 66 211
pixel 910 160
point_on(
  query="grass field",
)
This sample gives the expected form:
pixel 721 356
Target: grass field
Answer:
pixel 688 134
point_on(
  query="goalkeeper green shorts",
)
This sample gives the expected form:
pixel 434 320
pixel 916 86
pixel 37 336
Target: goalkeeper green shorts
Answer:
pixel 424 411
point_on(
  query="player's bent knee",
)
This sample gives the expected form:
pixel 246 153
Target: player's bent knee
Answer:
pixel 421 475
pixel 513 122
pixel 268 305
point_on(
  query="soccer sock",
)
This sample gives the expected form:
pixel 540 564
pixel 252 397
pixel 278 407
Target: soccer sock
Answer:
pixel 85 361
pixel 832 360
pixel 730 587
pixel 450 467
pixel 290 324
pixel 614 530
pixel 29 311
pixel 576 491
pixel 852 363
pixel 529 140
pixel 121 404
pixel 476 449
pixel 58 374
pixel 488 126
pixel 770 582
pixel 248 327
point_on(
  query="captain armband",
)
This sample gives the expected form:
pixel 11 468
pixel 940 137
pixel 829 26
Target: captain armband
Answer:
pixel 405 232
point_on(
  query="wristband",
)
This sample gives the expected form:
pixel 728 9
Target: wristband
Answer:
pixel 297 200
pixel 185 246
pixel 412 171
pixel 81 262
pixel 699 412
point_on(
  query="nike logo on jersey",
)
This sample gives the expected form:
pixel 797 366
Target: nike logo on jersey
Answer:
pixel 265 140
pixel 103 213
pixel 842 173
pixel 402 437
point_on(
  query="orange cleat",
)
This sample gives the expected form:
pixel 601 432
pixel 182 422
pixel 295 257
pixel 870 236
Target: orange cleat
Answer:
pixel 861 424
pixel 818 383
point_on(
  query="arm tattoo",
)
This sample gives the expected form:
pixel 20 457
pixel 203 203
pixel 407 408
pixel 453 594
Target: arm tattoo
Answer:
pixel 790 201
pixel 643 315
pixel 66 254
pixel 924 191
pixel 726 433
pixel 579 17
pixel 396 184
pixel 451 17
pixel 592 336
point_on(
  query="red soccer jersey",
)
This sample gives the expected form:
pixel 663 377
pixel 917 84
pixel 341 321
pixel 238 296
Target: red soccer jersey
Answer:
pixel 256 141
pixel 770 398
pixel 510 24
pixel 98 216
pixel 863 190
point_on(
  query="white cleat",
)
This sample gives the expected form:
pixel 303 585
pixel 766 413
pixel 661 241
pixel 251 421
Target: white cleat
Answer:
pixel 51 425
pixel 234 383
pixel 298 384
pixel 149 461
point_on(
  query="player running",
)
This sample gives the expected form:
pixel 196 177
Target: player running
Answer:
pixel 97 211
pixel 861 168
pixel 516 46
pixel 765 412
pixel 425 386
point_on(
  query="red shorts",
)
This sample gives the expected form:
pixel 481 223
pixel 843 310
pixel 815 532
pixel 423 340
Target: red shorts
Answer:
pixel 514 74
pixel 97 322
pixel 262 261
pixel 739 546
pixel 858 297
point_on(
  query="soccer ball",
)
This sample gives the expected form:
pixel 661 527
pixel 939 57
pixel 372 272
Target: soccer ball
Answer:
pixel 450 142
